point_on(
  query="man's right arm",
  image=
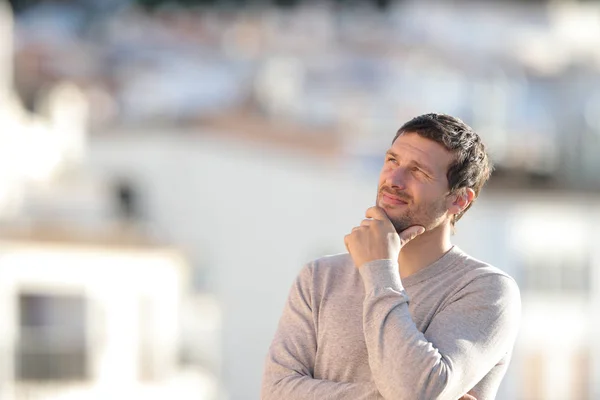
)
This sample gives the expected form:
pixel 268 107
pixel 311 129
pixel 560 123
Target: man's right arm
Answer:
pixel 289 368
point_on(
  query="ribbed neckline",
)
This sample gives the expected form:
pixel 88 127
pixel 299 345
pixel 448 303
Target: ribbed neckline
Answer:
pixel 445 262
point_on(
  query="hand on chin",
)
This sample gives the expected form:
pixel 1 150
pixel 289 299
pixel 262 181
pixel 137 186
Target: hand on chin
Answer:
pixel 376 238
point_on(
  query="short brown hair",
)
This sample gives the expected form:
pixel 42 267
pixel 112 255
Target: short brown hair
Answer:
pixel 471 167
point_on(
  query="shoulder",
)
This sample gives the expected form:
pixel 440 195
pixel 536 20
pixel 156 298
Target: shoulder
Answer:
pixel 487 273
pixel 340 260
pixel 492 283
pixel 330 264
pixel 327 269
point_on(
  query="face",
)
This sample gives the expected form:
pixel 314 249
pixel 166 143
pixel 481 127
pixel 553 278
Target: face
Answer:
pixel 413 186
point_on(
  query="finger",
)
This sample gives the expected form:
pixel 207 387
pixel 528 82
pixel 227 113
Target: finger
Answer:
pixel 366 222
pixel 346 238
pixel 356 228
pixel 377 213
pixel 467 397
pixel 410 233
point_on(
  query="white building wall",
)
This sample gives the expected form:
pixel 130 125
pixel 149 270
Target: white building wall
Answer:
pixel 109 282
pixel 594 333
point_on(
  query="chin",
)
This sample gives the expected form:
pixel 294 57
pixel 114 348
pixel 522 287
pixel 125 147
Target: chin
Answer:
pixel 385 207
pixel 401 224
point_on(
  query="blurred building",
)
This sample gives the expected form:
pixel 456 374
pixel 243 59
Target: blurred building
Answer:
pixel 87 319
pixel 242 140
pixel 93 303
pixel 547 242
pixel 526 74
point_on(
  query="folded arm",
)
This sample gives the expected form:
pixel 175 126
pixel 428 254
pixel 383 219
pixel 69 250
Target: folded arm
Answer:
pixel 459 347
pixel 289 367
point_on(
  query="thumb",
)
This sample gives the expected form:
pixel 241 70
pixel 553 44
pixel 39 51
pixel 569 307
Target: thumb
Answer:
pixel 410 233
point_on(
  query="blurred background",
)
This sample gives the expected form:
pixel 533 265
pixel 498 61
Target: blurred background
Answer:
pixel 167 167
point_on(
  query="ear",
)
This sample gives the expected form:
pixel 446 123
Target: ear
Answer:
pixel 460 200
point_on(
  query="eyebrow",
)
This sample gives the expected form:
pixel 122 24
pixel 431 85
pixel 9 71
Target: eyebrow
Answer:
pixel 417 163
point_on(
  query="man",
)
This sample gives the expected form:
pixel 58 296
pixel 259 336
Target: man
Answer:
pixel 404 315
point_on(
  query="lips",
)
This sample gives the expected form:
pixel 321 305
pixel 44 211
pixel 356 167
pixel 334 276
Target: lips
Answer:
pixel 392 199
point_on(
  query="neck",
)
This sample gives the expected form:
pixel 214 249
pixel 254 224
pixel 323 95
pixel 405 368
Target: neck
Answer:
pixel 424 250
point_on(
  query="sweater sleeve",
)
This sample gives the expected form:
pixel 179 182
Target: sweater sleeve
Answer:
pixel 460 346
pixel 289 366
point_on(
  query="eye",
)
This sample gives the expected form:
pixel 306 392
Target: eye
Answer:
pixel 390 159
pixel 419 171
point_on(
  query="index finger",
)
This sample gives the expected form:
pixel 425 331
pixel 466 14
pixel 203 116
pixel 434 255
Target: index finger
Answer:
pixel 377 213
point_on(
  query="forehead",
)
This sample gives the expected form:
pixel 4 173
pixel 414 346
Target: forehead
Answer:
pixel 412 147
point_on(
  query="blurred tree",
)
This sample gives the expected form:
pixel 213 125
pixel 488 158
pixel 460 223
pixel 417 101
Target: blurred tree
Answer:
pixel 193 3
pixel 20 5
pixel 383 4
pixel 286 3
pixel 156 3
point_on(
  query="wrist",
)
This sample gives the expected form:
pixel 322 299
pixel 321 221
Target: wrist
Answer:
pixel 381 274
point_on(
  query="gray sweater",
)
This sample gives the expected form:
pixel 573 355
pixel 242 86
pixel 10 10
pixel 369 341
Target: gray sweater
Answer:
pixel 349 333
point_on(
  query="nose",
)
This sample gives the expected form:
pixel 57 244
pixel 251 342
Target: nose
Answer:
pixel 396 178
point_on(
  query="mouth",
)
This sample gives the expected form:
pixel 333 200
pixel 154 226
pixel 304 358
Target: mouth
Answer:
pixel 391 199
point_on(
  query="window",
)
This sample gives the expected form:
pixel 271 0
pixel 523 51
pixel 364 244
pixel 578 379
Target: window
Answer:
pixel 556 273
pixel 52 338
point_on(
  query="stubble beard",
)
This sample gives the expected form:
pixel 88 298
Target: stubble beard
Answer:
pixel 426 215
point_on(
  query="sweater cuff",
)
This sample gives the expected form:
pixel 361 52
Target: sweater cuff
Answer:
pixel 381 274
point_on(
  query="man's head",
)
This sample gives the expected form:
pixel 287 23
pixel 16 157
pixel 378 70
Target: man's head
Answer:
pixel 432 173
